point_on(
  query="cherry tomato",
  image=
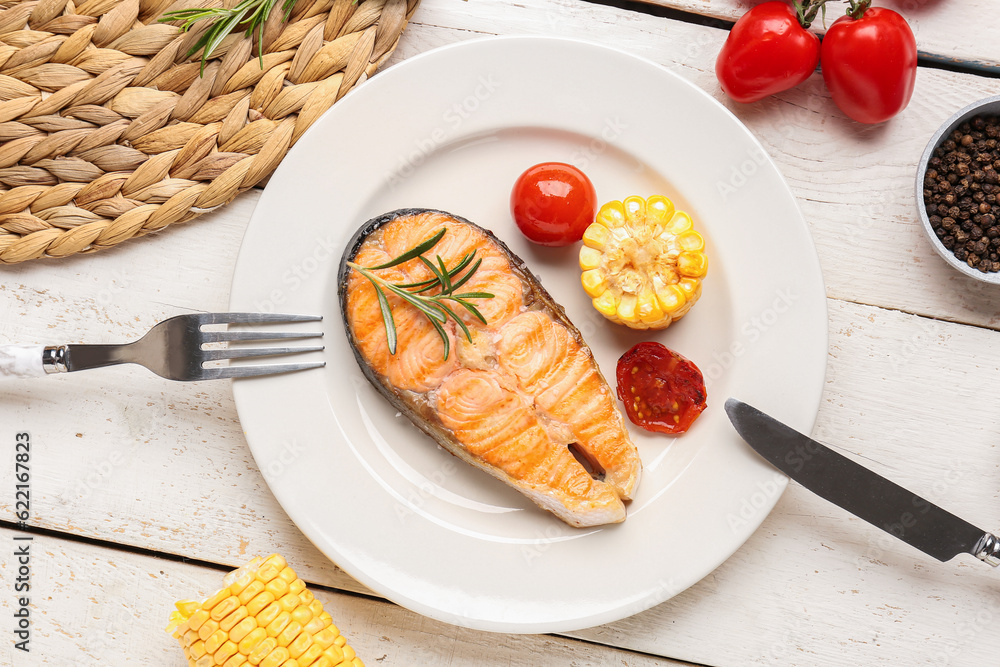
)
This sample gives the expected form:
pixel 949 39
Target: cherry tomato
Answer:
pixel 662 391
pixel 553 203
pixel 870 64
pixel 767 51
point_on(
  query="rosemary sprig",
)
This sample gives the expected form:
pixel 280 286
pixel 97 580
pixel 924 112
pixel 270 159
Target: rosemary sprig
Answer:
pixel 251 13
pixel 434 306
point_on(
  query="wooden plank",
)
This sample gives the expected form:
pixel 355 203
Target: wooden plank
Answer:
pixel 958 34
pixel 91 605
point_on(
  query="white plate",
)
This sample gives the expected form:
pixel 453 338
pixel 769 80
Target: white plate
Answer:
pixel 452 129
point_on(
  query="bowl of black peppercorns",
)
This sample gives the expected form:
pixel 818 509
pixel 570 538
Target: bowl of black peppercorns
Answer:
pixel 958 190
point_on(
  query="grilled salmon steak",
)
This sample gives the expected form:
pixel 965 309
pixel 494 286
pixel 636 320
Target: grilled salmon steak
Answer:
pixel 519 396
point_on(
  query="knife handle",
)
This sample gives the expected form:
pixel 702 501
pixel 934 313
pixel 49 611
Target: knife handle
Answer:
pixel 23 361
pixel 988 549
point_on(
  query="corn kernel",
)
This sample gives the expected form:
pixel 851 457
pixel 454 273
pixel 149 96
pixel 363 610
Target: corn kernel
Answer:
pixel 679 223
pixel 671 298
pixel 242 629
pixel 691 288
pixel 275 627
pixel 301 614
pixel 596 236
pixel 590 258
pixel 690 241
pixel 647 308
pixel 297 587
pixel 315 625
pixel 187 607
pixel 659 210
pixel 299 644
pixel 197 619
pixel 692 264
pixel 210 603
pixel 252 640
pixel 262 650
pixel 594 282
pixel 310 655
pixel 259 603
pixel 275 657
pixel 229 622
pixel 289 632
pixel 253 589
pixel 208 629
pixel 225 652
pixel 226 607
pixel 238 660
pixel 217 639
pixel 635 211
pixel 198 649
pixel 626 307
pixel 607 303
pixel 612 215
pixel 241 582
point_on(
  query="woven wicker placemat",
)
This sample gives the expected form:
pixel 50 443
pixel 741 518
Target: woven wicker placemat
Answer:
pixel 107 131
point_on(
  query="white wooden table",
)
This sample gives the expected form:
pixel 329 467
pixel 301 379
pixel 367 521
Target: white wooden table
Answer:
pixel 144 491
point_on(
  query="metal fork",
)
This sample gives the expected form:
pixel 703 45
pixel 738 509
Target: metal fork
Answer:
pixel 172 349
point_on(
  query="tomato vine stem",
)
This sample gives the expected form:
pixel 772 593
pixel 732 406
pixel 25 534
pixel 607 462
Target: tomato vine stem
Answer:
pixel 808 9
pixel 858 8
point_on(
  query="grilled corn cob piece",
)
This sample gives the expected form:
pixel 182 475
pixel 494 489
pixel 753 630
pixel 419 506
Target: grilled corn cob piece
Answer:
pixel 643 262
pixel 263 616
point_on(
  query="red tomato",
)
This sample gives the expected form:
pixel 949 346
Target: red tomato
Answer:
pixel 553 203
pixel 870 64
pixel 662 391
pixel 767 51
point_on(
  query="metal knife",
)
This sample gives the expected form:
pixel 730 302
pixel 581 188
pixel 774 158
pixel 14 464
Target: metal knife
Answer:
pixel 884 504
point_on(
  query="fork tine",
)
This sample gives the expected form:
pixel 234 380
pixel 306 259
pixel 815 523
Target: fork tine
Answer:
pixel 219 336
pixel 256 371
pixel 255 318
pixel 240 353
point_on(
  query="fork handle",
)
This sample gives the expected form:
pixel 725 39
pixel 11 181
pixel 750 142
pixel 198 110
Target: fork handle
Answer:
pixel 21 361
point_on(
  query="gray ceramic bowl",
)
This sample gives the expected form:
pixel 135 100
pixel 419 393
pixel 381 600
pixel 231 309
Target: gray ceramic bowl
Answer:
pixel 989 106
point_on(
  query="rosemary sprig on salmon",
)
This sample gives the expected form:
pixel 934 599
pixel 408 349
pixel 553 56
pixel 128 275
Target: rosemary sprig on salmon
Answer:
pixel 434 305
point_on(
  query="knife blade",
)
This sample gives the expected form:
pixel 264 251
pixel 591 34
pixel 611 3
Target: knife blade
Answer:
pixel 863 493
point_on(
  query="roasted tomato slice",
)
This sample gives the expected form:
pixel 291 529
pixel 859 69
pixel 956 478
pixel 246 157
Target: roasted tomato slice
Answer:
pixel 662 391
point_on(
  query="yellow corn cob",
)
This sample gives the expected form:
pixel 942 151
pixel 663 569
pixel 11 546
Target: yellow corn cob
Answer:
pixel 263 616
pixel 643 262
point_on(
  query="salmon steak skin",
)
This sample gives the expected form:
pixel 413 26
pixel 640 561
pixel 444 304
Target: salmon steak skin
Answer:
pixel 524 400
